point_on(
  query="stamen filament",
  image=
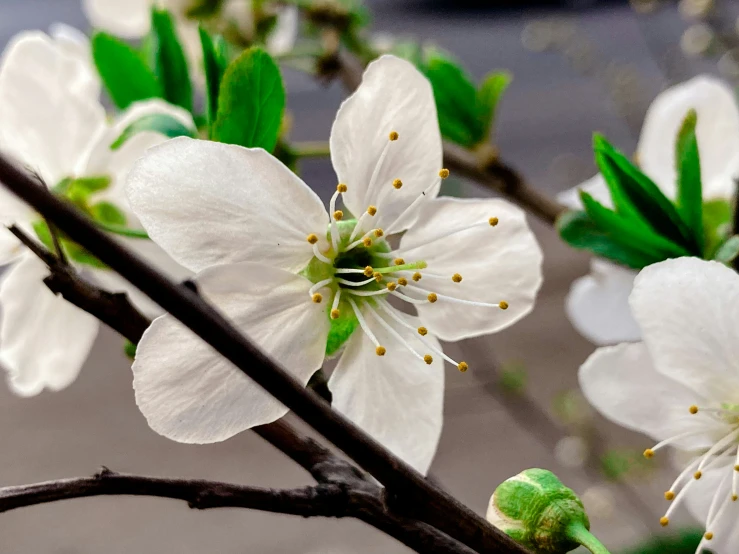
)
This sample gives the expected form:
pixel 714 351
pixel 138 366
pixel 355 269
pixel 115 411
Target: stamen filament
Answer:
pixel 457 300
pixel 409 299
pixel 363 323
pixel 334 227
pixel 319 285
pixel 390 229
pixel 368 292
pixel 335 304
pixel 368 235
pixel 728 439
pixel 360 221
pixel 350 270
pixel 393 332
pixel 355 283
pixel 317 254
pixel 672 439
pixel 447 235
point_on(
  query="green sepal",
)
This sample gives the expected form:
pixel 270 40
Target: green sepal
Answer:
pixel 163 124
pixel 108 213
pixel 689 186
pixel 215 61
pixel 124 73
pixel 251 102
pixel 491 90
pixel 717 216
pixel 637 197
pixel 728 251
pixel 170 63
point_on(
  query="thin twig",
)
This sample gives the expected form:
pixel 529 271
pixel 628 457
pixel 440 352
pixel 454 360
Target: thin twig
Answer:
pixel 409 489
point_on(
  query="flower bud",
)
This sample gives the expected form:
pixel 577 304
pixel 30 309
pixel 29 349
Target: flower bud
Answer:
pixel 535 509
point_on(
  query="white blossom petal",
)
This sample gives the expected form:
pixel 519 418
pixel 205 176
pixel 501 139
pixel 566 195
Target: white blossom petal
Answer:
pixel 686 309
pixel 44 339
pixel 396 398
pixel 47 124
pixel 208 203
pixel 717 132
pixel 501 263
pixel 75 44
pixel 595 186
pixel 129 19
pixel 393 96
pixel 598 304
pixel 189 393
pixel 282 38
pixel 623 385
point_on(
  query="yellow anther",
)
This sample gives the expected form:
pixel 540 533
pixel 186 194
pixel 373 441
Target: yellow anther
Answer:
pixel 372 210
pixel 444 173
pixel 338 215
pixel 734 497
pixel 393 136
pixel 457 278
pixel 697 475
pixel 368 271
pixel 317 298
pixel 367 241
pixel 462 366
pixel 428 359
pixel 708 536
pixel 693 409
pixel 493 221
pixel 736 467
pixel 379 233
pixel 377 276
pixel 649 453
pixel 417 276
pixel 669 495
pixel 398 261
pixel 380 351
pixel 503 305
pixel 392 286
pixel 423 331
pixel 397 184
pixel 664 521
pixel 341 187
pixel 432 297
pixel 402 281
pixel 312 238
pixel 335 314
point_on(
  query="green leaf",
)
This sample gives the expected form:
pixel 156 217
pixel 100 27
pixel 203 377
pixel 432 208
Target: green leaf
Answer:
pixel 489 94
pixel 728 251
pixel 579 231
pixel 164 124
pixel 129 349
pixel 683 542
pixel 215 62
pixel 634 194
pixel 689 187
pixel 456 100
pixel 629 233
pixel 251 102
pixel 105 212
pixel 124 74
pixel 74 251
pixel 170 64
pixel 716 225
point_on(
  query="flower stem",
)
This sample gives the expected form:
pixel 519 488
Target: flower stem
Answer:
pixel 578 533
pixel 311 149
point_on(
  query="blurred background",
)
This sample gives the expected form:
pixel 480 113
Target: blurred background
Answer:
pixel 579 66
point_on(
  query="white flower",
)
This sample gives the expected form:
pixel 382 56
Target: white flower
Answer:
pixel 299 283
pixel 597 304
pixel 53 123
pixel 132 19
pixel 680 386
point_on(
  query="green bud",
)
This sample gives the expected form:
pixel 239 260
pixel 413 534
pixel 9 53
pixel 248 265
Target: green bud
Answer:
pixel 537 510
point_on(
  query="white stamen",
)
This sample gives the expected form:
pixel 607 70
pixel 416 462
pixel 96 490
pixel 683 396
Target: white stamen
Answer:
pixel 363 323
pixel 334 227
pixel 349 270
pixel 392 331
pixel 455 300
pixel 337 297
pixel 408 298
pixel 426 274
pixel 369 234
pixel 319 285
pixel 358 226
pixel 354 283
pixel 714 503
pixel 735 475
pixel 390 229
pixel 317 254
pixel 446 235
pixel 718 446
pixel 378 165
pixel 389 310
pixel 368 292
pixel 678 437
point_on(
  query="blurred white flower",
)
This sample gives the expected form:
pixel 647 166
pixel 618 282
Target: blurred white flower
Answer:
pixel 680 386
pixel 597 304
pixel 54 124
pixel 132 19
pixel 300 282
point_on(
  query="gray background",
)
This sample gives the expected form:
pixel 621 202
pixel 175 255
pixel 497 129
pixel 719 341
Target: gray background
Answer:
pixel 545 129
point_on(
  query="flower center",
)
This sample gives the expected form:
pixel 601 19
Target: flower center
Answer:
pixel 725 449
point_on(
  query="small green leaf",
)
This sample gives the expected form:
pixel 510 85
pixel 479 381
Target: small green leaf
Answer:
pixel 170 64
pixel 683 542
pixel 716 225
pixel 124 74
pixel 689 188
pixel 251 102
pixel 105 212
pixel 489 94
pixel 630 233
pixel 164 124
pixel 74 251
pixel 129 348
pixel 728 251
pixel 637 194
pixel 215 62
pixel 579 231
